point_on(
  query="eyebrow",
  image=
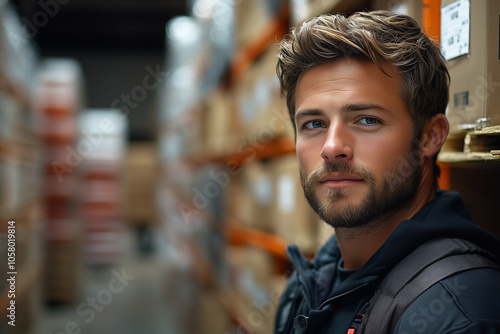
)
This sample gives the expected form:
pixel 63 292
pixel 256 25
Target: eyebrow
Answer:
pixel 345 108
pixel 360 107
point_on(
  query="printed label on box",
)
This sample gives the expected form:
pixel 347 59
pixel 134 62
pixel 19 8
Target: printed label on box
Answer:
pixel 455 29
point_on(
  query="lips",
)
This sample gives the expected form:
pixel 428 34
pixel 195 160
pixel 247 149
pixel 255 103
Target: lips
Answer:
pixel 339 180
pixel 339 177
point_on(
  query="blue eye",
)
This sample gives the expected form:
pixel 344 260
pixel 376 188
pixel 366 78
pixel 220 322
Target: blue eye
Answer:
pixel 369 121
pixel 313 125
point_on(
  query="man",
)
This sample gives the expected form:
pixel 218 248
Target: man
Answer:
pixel 367 96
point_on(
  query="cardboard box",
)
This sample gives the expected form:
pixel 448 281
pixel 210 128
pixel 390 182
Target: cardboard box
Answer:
pixel 411 8
pixel 294 219
pixel 475 76
pixel 219 125
pixel 262 113
pixel 62 272
pixel 257 196
pixel 141 175
pixel 214 317
pixel 302 10
pixel 252 17
pixel 275 121
pixel 257 288
pixel 246 104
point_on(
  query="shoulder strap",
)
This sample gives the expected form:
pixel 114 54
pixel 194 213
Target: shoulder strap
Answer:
pixel 424 267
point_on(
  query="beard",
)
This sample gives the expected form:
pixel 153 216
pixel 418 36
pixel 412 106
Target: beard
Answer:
pixel 385 197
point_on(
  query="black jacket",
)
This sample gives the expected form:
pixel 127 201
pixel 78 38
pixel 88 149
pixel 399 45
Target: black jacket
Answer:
pixel 468 302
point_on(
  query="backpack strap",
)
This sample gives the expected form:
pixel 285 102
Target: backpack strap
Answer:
pixel 424 267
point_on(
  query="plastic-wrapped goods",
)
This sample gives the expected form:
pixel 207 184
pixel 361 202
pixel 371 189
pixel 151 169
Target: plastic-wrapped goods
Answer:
pixel 217 19
pixel 102 145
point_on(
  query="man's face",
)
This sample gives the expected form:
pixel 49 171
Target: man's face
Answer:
pixel 355 144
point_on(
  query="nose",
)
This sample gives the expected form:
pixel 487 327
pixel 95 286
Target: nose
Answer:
pixel 338 143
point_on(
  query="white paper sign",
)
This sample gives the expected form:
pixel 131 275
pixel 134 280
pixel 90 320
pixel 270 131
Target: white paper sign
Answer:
pixel 455 29
pixel 286 191
pixel 263 190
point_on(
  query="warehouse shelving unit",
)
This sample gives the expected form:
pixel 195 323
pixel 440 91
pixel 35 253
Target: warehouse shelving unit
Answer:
pixel 20 188
pixel 57 100
pixel 469 161
pixel 236 181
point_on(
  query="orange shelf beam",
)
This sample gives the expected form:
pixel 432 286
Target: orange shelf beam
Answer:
pixel 254 152
pixel 431 18
pixel 247 236
pixel 275 31
pixel 444 178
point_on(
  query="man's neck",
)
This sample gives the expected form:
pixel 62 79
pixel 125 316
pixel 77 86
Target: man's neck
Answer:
pixel 358 245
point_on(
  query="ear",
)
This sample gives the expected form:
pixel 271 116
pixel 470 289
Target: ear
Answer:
pixel 434 135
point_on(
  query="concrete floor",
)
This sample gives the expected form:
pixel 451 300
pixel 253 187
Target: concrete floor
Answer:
pixel 129 298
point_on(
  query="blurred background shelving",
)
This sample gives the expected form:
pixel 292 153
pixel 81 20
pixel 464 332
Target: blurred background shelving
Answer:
pixel 148 159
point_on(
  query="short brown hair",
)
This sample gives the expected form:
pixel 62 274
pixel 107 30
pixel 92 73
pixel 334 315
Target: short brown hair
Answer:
pixel 379 36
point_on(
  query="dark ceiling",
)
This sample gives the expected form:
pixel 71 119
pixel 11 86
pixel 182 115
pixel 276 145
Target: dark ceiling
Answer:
pixel 118 25
pixel 116 42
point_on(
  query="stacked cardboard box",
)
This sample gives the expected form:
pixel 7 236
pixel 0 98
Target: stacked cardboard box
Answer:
pixel 262 113
pixel 294 219
pixel 264 196
pixel 257 288
pixel 249 112
pixel 269 198
pixel 474 65
pixel 20 199
pixel 57 102
pixel 470 41
pixel 218 125
pixel 257 196
pixel 187 198
pixel 140 179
